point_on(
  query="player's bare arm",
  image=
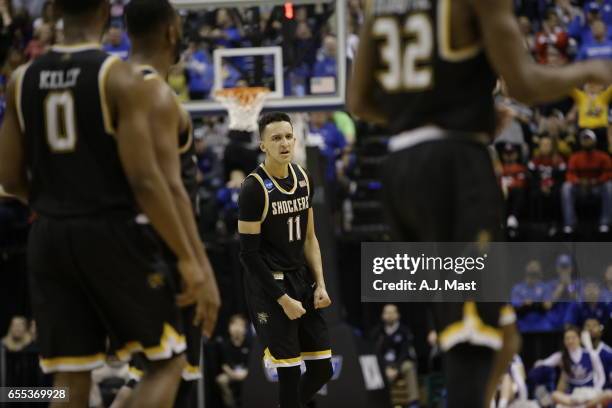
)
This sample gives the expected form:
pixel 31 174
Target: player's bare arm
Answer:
pixel 251 230
pixel 312 251
pixel 511 345
pixel 359 92
pixel 527 81
pixel 128 95
pixel 166 120
pixel 13 173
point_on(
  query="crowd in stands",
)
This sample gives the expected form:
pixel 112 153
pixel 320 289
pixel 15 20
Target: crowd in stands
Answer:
pixel 555 159
pixel 554 167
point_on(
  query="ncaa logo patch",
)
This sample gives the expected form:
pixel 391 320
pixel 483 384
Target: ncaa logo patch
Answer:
pixel 268 184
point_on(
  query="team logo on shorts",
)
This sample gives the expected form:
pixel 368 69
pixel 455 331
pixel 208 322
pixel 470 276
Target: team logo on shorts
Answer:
pixel 156 280
pixel 262 318
pixel 269 185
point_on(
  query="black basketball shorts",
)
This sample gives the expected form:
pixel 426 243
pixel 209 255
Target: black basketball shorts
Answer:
pixel 288 342
pixel 193 336
pixel 440 186
pixel 97 285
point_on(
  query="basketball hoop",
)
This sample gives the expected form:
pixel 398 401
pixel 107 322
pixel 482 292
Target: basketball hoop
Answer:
pixel 243 105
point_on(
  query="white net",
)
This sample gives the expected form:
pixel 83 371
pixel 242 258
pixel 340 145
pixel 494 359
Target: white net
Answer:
pixel 243 106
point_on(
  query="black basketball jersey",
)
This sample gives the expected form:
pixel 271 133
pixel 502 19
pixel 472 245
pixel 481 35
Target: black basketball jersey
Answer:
pixel 71 150
pixel 420 79
pixel 189 167
pixel 284 219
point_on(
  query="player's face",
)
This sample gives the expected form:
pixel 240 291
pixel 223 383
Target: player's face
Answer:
pixel 278 141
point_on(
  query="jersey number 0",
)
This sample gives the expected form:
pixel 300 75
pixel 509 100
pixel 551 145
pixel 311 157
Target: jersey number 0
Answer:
pixel 59 121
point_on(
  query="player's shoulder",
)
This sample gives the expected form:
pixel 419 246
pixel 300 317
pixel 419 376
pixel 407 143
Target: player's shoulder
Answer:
pixel 161 96
pixel 159 88
pixel 253 188
pixel 119 76
pixel 253 182
pixel 18 73
pixel 300 170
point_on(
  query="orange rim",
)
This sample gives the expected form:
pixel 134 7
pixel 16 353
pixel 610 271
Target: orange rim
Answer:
pixel 243 95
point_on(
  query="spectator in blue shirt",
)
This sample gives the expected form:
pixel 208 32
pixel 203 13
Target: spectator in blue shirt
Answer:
pixel 297 81
pixel 530 301
pixel 590 307
pixel 324 134
pixel 117 42
pixel 227 35
pixel 600 47
pixel 200 72
pixel 227 198
pixel 580 28
pixel 605 10
pixel 326 65
pixel 561 291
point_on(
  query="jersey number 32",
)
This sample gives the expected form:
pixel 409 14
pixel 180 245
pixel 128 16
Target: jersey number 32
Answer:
pixel 407 62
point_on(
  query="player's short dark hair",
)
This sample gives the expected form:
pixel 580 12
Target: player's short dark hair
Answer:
pixel 272 117
pixel 76 7
pixel 144 16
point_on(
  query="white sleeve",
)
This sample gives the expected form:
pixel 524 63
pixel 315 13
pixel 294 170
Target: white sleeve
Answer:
pixel 599 376
pixel 554 360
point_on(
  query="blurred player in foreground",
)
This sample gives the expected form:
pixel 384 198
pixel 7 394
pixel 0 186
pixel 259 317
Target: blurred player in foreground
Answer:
pixel 154 28
pixel 76 143
pixel 427 69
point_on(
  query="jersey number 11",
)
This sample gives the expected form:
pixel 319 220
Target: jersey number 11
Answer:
pixel 298 228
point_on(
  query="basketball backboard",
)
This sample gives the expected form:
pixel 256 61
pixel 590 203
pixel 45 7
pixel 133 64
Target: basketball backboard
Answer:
pixel 296 49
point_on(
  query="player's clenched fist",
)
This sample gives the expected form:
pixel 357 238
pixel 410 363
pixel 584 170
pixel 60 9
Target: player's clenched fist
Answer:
pixel 321 298
pixel 292 308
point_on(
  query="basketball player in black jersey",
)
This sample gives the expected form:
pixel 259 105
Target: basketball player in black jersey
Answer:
pixel 154 28
pixel 76 144
pixel 427 69
pixel 284 283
